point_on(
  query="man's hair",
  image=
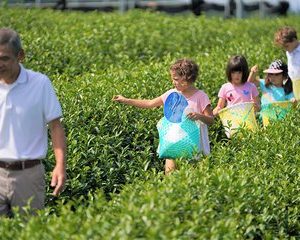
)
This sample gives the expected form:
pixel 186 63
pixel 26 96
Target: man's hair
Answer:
pixel 186 68
pixel 237 63
pixel 10 37
pixel 285 35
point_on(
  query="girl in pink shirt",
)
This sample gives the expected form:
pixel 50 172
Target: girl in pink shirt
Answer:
pixel 237 90
pixel 184 73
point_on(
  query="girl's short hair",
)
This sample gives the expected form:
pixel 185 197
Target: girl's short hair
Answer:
pixel 285 35
pixel 186 68
pixel 237 63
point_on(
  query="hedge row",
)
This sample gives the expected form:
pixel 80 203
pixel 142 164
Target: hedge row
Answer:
pixel 247 188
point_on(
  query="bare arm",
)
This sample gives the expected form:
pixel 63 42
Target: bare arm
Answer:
pixel 220 105
pixel 140 103
pixel 253 75
pixel 257 104
pixel 207 117
pixel 59 146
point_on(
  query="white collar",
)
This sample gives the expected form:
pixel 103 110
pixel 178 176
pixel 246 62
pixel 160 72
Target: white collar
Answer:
pixel 22 78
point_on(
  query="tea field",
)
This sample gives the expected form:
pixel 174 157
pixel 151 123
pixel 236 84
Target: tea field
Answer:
pixel 248 188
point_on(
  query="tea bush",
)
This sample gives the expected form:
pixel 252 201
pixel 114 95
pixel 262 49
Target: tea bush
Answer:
pixel 247 187
pixel 238 192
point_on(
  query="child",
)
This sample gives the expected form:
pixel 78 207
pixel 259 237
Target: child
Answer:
pixel 286 37
pixel 184 73
pixel 277 86
pixel 237 90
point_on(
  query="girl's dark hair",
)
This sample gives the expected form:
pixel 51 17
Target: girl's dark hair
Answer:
pixel 186 68
pixel 287 85
pixel 237 63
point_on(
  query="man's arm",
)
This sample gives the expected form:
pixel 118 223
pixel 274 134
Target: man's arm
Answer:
pixel 59 146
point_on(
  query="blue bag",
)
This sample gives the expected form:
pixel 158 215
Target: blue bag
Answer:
pixel 178 135
pixel 178 140
pixel 174 107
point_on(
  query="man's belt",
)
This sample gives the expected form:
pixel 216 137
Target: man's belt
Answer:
pixel 20 165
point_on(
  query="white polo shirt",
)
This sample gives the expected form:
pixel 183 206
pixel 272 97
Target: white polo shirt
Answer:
pixel 26 106
pixel 294 63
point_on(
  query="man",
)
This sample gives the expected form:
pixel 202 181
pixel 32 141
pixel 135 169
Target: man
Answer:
pixel 28 104
pixel 286 37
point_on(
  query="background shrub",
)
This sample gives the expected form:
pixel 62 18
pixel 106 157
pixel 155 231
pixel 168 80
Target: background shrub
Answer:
pixel 247 187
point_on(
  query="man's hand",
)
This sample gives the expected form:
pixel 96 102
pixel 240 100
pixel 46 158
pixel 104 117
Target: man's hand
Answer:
pixel 58 180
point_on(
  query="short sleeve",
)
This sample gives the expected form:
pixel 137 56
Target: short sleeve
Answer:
pixel 204 101
pixel 222 92
pixel 262 85
pixel 255 92
pixel 294 63
pixel 51 106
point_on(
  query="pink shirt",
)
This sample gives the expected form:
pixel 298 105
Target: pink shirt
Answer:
pixel 196 103
pixel 238 94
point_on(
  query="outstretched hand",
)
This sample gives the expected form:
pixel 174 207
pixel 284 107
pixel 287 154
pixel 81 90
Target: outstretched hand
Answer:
pixel 254 69
pixel 118 98
pixel 253 75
